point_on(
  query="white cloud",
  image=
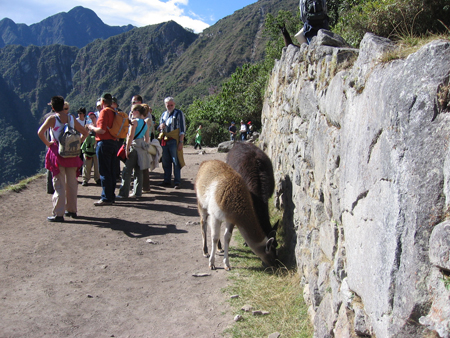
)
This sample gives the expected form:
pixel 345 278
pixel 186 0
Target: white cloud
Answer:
pixel 112 12
pixel 144 12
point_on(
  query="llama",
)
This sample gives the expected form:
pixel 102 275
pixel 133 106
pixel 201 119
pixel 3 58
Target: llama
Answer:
pixel 256 169
pixel 223 196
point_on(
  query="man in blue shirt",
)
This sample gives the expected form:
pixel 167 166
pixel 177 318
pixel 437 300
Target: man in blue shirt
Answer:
pixel 173 126
pixel 232 130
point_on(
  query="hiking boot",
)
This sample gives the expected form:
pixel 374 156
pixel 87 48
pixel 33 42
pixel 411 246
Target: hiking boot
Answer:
pixel 164 184
pixel 84 183
pixel 177 186
pixel 55 219
pixel 101 203
pixel 71 214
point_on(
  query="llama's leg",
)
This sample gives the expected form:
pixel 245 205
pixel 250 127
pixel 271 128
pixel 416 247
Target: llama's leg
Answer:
pixel 204 225
pixel 215 232
pixel 226 238
pixel 219 247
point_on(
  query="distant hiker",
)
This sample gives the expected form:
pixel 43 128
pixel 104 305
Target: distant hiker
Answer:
pixel 149 120
pixel 106 151
pixel 313 14
pixel 232 130
pixel 250 129
pixel 89 155
pixel 64 170
pixel 137 156
pixel 198 138
pixel 99 107
pixel 137 99
pixel 82 116
pixel 243 131
pixel 172 125
pixel 82 120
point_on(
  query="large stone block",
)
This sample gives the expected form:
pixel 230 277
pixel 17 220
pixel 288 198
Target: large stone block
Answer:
pixel 366 148
pixel 440 246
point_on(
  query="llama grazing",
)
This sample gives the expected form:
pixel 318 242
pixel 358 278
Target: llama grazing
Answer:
pixel 256 169
pixel 223 196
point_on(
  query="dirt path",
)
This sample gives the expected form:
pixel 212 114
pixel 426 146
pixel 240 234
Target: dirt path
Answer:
pixel 97 276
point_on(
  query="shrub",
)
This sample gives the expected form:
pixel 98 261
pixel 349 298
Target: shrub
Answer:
pixel 393 19
pixel 212 133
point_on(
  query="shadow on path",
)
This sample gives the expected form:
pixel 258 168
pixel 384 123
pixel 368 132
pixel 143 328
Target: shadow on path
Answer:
pixel 131 229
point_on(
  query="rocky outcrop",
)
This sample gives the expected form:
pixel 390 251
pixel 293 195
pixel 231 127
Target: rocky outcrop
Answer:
pixel 360 150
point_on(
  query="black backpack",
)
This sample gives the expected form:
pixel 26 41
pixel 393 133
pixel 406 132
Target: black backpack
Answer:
pixel 313 10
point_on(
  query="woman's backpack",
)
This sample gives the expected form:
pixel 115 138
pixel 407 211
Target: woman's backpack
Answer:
pixel 69 139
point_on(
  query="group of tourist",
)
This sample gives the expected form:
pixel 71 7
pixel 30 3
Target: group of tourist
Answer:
pixel 100 149
pixel 246 130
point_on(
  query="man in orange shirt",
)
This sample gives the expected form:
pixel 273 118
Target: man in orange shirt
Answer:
pixel 106 151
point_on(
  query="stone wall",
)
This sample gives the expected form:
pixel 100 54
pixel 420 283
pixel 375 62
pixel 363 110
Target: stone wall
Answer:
pixel 362 167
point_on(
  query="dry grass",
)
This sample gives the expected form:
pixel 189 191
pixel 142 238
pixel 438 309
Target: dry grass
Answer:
pixel 408 45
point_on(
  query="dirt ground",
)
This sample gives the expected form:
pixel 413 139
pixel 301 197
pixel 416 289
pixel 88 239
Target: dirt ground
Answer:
pixel 99 276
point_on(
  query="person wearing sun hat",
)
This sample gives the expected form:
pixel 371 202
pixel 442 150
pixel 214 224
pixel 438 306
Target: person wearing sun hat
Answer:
pixel 250 129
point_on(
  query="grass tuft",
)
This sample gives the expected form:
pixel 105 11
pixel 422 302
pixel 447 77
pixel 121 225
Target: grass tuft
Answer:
pixel 18 187
pixel 409 44
pixel 277 291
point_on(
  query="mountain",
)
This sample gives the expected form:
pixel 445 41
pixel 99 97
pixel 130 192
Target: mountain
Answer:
pixel 78 27
pixel 155 61
pixel 187 74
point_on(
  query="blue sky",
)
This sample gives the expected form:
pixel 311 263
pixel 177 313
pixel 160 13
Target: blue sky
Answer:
pixel 194 14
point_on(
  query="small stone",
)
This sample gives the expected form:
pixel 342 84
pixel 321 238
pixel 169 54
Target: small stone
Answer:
pixel 90 296
pixel 151 241
pixel 275 335
pixel 201 274
pixel 238 318
pixel 247 308
pixel 189 223
pixel 234 296
pixel 257 313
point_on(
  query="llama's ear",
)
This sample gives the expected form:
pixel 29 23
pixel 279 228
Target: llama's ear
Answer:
pixel 269 245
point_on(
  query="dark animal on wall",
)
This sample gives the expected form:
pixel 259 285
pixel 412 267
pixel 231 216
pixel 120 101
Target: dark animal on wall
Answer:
pixel 256 169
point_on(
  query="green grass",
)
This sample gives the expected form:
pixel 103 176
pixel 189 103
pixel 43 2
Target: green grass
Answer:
pixel 277 291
